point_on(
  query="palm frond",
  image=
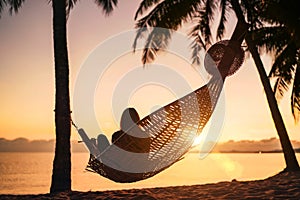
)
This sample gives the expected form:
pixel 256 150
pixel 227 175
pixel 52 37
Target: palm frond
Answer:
pixel 14 5
pixel 2 5
pixel 147 22
pixel 284 12
pixel 70 6
pixel 284 63
pixel 252 10
pixel 283 69
pixel 196 49
pixel 140 33
pixel 210 5
pixel 157 40
pixel 197 44
pixel 295 98
pixel 245 4
pixel 223 19
pixel 272 39
pixel 145 5
pixel 168 14
pixel 206 17
pixel 107 5
pixel 280 88
pixel 204 27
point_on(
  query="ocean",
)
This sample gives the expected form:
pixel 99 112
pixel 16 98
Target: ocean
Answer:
pixel 30 173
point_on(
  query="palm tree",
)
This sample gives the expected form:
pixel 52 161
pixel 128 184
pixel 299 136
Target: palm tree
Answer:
pixel 61 174
pixel 288 151
pixel 282 40
pixel 172 14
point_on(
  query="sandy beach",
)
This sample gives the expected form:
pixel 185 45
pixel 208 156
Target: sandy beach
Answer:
pixel 285 185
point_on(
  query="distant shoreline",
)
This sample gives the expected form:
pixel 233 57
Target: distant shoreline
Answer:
pixel 255 152
pixel 271 145
pixel 225 152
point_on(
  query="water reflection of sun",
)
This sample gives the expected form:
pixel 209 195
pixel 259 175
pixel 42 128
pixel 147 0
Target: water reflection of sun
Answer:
pixel 232 168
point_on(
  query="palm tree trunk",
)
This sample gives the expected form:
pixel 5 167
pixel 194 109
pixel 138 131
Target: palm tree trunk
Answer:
pixel 61 174
pixel 288 151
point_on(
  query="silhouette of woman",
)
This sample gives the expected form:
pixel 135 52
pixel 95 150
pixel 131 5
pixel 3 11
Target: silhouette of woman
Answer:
pixel 131 137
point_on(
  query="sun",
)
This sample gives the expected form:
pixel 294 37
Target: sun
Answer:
pixel 197 140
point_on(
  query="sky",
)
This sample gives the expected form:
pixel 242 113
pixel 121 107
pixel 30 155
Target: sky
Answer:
pixel 27 77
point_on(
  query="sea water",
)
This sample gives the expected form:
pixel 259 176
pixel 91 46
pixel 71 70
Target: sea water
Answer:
pixel 30 173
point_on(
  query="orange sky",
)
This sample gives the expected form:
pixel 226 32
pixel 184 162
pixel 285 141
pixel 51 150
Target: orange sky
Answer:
pixel 27 76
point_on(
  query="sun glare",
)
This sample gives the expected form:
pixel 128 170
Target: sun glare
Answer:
pixel 197 140
pixel 232 168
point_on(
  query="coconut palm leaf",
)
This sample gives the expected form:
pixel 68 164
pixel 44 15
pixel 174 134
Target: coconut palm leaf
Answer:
pixel 272 39
pixel 167 14
pixel 200 34
pixel 283 69
pixel 224 9
pixel 280 88
pixel 204 24
pixel 145 5
pixel 284 63
pixel 283 42
pixel 205 17
pixel 282 12
pixel 202 29
pixel 107 5
pixel 278 40
pixel 70 5
pixel 2 5
pixel 171 15
pixel 197 44
pixel 157 40
pixel 14 5
pixel 252 11
pixel 295 98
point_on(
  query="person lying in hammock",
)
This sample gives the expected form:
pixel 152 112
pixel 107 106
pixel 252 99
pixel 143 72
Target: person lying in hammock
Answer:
pixel 130 137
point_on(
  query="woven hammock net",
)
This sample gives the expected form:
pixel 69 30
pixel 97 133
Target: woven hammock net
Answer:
pixel 171 130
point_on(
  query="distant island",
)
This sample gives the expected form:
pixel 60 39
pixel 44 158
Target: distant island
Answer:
pixel 26 145
pixel 271 145
pixel 297 150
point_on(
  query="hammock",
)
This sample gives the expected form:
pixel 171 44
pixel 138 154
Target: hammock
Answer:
pixel 171 129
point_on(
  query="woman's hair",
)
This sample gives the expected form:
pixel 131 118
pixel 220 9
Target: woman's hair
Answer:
pixel 129 118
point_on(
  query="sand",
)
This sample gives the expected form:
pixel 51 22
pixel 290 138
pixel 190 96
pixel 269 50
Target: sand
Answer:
pixel 285 185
